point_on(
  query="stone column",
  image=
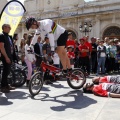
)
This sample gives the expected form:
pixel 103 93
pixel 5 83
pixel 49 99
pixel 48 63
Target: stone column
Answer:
pixel 97 27
pixel 80 34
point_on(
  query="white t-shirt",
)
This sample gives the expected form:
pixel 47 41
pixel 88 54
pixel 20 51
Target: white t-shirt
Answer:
pixel 30 57
pixel 102 54
pixel 56 59
pixel 50 29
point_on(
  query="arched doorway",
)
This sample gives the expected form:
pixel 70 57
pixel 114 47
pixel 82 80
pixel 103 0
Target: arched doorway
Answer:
pixel 112 32
pixel 73 33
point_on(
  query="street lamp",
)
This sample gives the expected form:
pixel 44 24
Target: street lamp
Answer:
pixel 86 28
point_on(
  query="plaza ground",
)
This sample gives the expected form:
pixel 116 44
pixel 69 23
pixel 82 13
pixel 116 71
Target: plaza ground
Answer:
pixel 57 102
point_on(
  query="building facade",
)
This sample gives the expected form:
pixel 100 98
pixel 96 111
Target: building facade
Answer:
pixel 104 15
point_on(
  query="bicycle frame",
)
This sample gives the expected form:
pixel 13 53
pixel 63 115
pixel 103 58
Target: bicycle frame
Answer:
pixel 55 70
pixel 52 68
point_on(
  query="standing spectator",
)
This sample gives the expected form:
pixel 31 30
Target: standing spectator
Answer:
pixel 15 39
pixel 38 50
pixel 84 56
pixel 47 53
pixel 70 41
pixel 22 51
pixel 94 55
pixel 76 52
pixel 101 57
pixel 7 56
pixel 107 61
pixel 71 56
pixel 112 55
pixel 117 64
pixel 56 59
pixel 25 36
pixel 28 59
pixel 47 50
pixel 88 44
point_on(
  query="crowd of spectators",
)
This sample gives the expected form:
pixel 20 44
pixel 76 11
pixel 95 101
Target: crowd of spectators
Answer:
pixel 93 55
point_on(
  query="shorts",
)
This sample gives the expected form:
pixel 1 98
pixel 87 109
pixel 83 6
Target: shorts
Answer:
pixel 62 39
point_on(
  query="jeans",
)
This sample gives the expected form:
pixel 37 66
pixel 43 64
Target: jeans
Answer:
pixel 101 64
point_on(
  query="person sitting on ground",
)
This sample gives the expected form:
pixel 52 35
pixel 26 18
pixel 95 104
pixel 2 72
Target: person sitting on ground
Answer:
pixel 103 89
pixel 107 79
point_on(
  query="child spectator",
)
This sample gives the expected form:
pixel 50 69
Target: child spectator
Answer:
pixel 56 59
pixel 28 59
pixel 71 55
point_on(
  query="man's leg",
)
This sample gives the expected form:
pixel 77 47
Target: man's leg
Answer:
pixel 63 57
pixel 6 71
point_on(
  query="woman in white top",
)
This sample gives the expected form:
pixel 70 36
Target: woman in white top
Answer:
pixel 28 59
pixel 57 36
pixel 101 57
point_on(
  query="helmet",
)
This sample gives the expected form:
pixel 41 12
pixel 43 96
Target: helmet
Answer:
pixel 29 21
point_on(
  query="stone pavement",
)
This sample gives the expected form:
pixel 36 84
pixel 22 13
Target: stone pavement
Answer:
pixel 57 102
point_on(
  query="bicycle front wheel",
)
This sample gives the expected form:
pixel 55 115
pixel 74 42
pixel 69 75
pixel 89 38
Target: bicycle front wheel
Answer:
pixel 76 79
pixel 36 83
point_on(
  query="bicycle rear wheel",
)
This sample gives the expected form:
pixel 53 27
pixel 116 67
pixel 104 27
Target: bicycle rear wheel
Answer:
pixel 77 79
pixel 19 78
pixel 36 83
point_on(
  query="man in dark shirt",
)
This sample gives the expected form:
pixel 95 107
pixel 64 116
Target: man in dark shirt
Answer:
pixel 47 53
pixel 94 55
pixel 38 51
pixel 7 52
pixel 84 56
pixel 47 50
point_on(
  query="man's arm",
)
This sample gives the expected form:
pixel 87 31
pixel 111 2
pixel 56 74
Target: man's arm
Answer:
pixel 114 95
pixel 52 42
pixel 2 49
pixel 35 38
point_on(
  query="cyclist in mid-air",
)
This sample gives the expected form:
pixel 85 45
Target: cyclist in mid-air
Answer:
pixel 57 36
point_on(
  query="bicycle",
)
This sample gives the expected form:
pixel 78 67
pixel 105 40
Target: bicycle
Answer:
pixel 38 78
pixel 17 76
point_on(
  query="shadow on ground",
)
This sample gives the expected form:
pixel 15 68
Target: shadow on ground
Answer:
pixel 80 101
pixel 5 98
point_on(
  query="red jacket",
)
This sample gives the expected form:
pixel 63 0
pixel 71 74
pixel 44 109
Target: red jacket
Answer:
pixel 89 46
pixel 71 55
pixel 81 47
pixel 71 43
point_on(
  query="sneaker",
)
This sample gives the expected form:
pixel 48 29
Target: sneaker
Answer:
pixel 64 73
pixel 11 87
pixel 5 90
pixel 47 82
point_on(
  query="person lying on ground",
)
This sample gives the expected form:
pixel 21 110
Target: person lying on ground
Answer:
pixel 103 89
pixel 107 79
